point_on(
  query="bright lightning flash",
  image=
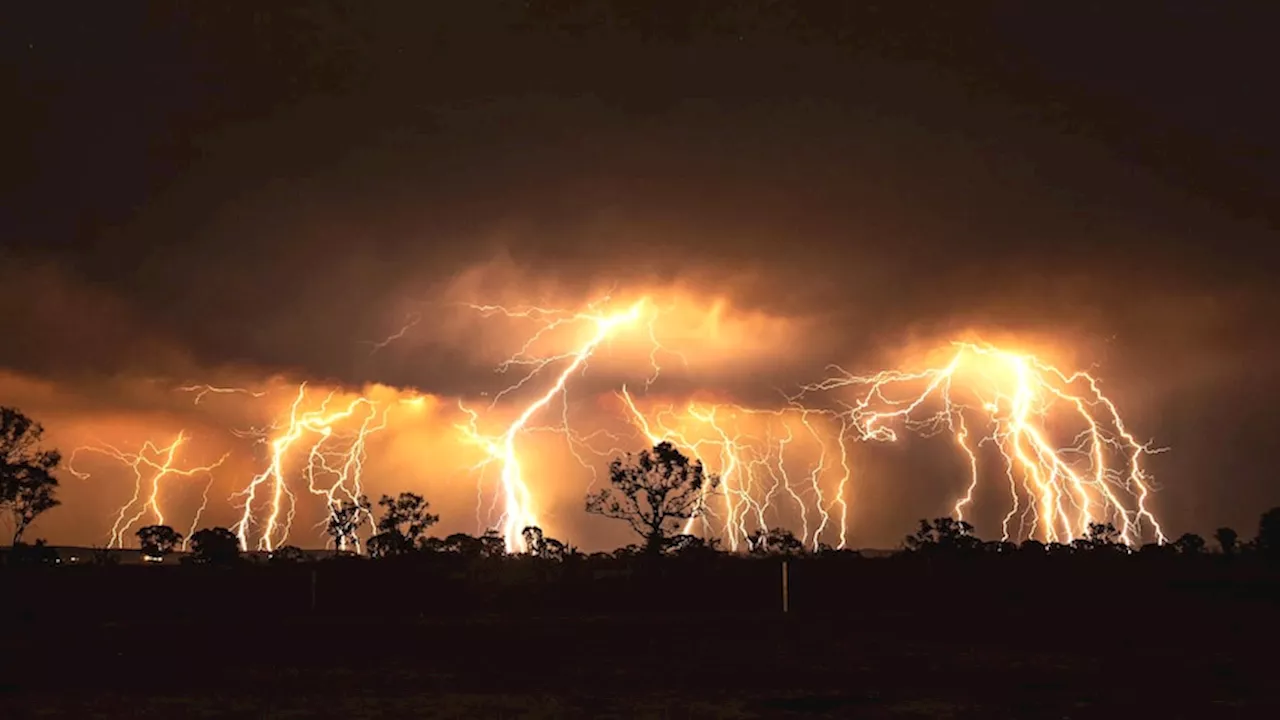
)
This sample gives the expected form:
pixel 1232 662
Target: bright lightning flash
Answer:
pixel 151 466
pixel 333 465
pixel 501 448
pixel 751 450
pixel 1097 476
pixel 984 396
pixel 1060 443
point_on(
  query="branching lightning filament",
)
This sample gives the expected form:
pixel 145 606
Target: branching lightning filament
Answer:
pixel 1051 441
pixel 152 465
pixel 332 463
pixel 1096 476
pixel 502 448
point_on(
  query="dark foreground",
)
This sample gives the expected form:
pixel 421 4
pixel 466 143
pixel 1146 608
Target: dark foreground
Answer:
pixel 1185 658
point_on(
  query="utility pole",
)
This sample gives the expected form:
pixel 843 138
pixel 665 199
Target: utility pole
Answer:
pixel 786 596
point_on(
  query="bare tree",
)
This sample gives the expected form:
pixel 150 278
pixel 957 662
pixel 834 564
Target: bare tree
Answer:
pixel 654 491
pixel 27 484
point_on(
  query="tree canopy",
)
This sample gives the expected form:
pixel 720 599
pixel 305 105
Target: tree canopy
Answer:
pixel 403 524
pixel 654 491
pixel 28 487
pixel 158 540
pixel 214 546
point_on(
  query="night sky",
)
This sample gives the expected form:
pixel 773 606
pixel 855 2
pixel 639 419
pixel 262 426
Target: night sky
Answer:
pixel 193 187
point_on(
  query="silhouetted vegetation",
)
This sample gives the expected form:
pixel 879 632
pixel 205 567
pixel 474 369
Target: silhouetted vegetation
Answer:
pixel 346 517
pixel 1228 540
pixel 286 554
pixel 37 553
pixel 403 525
pixel 27 484
pixel 943 578
pixel 214 546
pixel 774 541
pixel 158 540
pixel 1268 540
pixel 654 491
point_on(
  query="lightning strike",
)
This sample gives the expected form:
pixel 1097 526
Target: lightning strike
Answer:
pixel 333 467
pixel 1096 477
pixel 151 465
pixel 788 466
pixel 518 512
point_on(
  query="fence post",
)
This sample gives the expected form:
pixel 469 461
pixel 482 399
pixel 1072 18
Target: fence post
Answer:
pixel 786 597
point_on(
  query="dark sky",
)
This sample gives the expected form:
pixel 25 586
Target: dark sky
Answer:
pixel 190 185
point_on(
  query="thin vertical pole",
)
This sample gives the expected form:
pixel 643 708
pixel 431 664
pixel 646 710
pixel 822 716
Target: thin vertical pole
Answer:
pixel 786 597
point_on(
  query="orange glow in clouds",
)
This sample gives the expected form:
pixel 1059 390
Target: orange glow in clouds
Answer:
pixel 151 465
pixel 1060 445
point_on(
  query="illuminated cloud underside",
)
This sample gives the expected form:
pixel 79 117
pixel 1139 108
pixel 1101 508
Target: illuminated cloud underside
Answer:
pixel 1060 445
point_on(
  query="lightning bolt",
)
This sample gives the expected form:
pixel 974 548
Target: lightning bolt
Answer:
pixel 518 512
pixel 151 465
pixel 202 391
pixel 1015 395
pixel 787 466
pixel 752 465
pixel 410 323
pixel 329 453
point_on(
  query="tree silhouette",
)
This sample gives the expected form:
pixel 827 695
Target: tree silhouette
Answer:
pixel 1101 537
pixel 1189 544
pixel 1031 546
pixel 1228 540
pixel 286 554
pixel 944 535
pixel 214 546
pixel 346 517
pixel 158 540
pixel 1000 547
pixel 27 484
pixel 37 554
pixel 654 492
pixel 104 557
pixel 775 541
pixel 492 544
pixel 692 546
pixel 489 545
pixel 1155 549
pixel 463 544
pixel 400 529
pixel 434 545
pixel 1268 540
pixel 1057 549
pixel 540 546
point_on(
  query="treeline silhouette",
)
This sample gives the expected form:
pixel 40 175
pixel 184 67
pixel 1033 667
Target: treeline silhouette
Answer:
pixel 401 570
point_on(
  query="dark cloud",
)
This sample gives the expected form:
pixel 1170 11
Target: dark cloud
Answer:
pixel 272 197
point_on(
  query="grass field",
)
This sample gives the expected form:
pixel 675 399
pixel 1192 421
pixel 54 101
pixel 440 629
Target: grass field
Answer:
pixel 1189 660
